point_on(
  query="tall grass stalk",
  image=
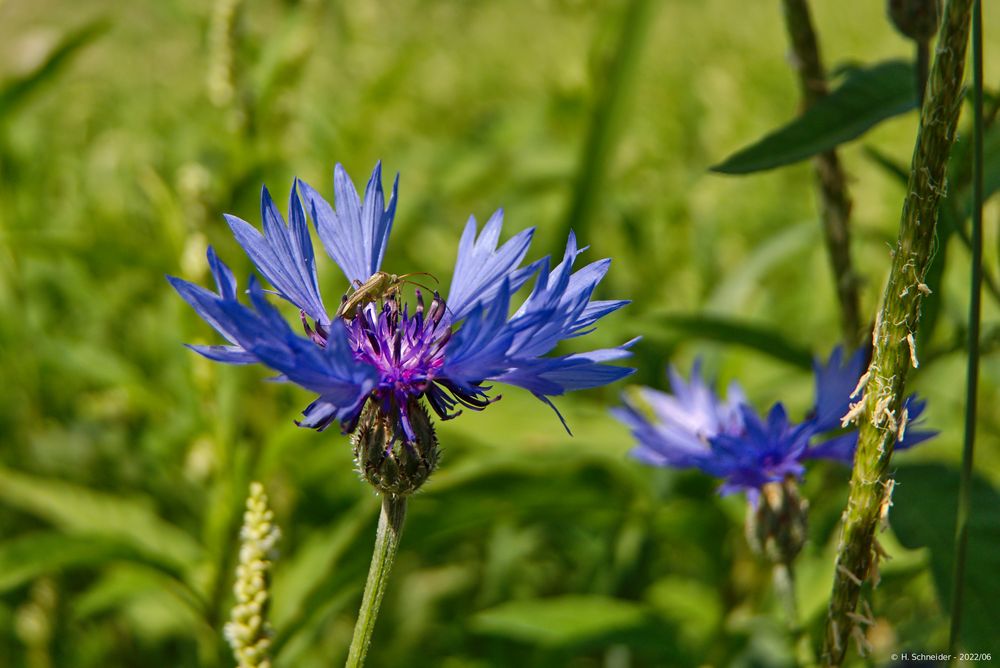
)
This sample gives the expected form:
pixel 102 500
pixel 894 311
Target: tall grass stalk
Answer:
pixel 598 149
pixel 882 418
pixel 972 373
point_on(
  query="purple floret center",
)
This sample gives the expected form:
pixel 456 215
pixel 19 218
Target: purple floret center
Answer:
pixel 408 352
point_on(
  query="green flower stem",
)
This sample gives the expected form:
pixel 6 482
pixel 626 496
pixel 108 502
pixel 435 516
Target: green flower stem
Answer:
pixel 972 374
pixel 784 587
pixel 390 527
pixel 835 204
pixel 881 418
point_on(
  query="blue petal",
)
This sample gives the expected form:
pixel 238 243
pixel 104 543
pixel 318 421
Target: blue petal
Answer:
pixel 564 297
pixel 227 354
pixel 548 377
pixel 262 335
pixel 331 372
pixel 839 448
pixel 489 346
pixel 479 348
pixel 481 268
pixel 834 383
pixel 206 304
pixel 283 254
pixel 355 236
pixel 554 376
pixel 225 281
pixel 669 447
pixel 767 450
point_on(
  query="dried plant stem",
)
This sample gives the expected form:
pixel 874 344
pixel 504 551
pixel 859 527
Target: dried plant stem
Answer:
pixel 972 373
pixel 390 526
pixel 897 319
pixel 835 204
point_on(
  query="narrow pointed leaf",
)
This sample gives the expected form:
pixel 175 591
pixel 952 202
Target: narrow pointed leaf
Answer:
pixel 562 621
pixel 729 330
pixel 30 556
pixel 18 89
pixel 78 510
pixel 867 96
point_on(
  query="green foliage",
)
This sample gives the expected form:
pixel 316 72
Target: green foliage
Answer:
pixel 923 515
pixel 78 510
pixel 18 89
pixel 124 458
pixel 867 96
pixel 30 556
pixel 561 621
pixel 726 330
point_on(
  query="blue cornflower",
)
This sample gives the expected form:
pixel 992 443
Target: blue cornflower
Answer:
pixel 837 391
pixel 445 351
pixel 694 428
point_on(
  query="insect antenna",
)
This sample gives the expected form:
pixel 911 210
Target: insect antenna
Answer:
pixel 420 285
pixel 419 273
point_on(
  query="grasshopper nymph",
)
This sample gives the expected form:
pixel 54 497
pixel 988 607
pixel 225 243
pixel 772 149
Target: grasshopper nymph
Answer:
pixel 379 286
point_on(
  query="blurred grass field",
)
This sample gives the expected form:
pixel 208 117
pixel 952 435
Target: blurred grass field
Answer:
pixel 125 458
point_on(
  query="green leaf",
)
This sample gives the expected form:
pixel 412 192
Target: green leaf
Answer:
pixel 727 330
pixel 78 510
pixel 122 585
pixel 923 515
pixel 27 557
pixel 866 97
pixel 17 90
pixel 693 606
pixel 565 620
pixel 150 603
pixel 888 165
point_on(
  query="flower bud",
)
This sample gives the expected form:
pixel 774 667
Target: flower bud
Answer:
pixel 917 19
pixel 386 458
pixel 776 528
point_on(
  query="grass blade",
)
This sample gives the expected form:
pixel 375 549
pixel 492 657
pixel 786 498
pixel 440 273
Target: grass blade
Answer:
pixel 20 88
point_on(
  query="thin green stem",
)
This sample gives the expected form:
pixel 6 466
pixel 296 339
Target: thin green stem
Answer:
pixel 784 587
pixel 987 279
pixel 972 373
pixel 390 526
pixel 882 418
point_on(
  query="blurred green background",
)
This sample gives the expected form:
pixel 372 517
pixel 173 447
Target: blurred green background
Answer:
pixel 127 129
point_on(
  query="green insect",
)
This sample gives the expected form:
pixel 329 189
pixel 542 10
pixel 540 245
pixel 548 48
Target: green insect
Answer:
pixel 378 287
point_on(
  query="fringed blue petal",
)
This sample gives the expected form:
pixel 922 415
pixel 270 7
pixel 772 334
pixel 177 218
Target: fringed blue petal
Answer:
pixel 283 254
pixel 355 235
pixel 481 268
